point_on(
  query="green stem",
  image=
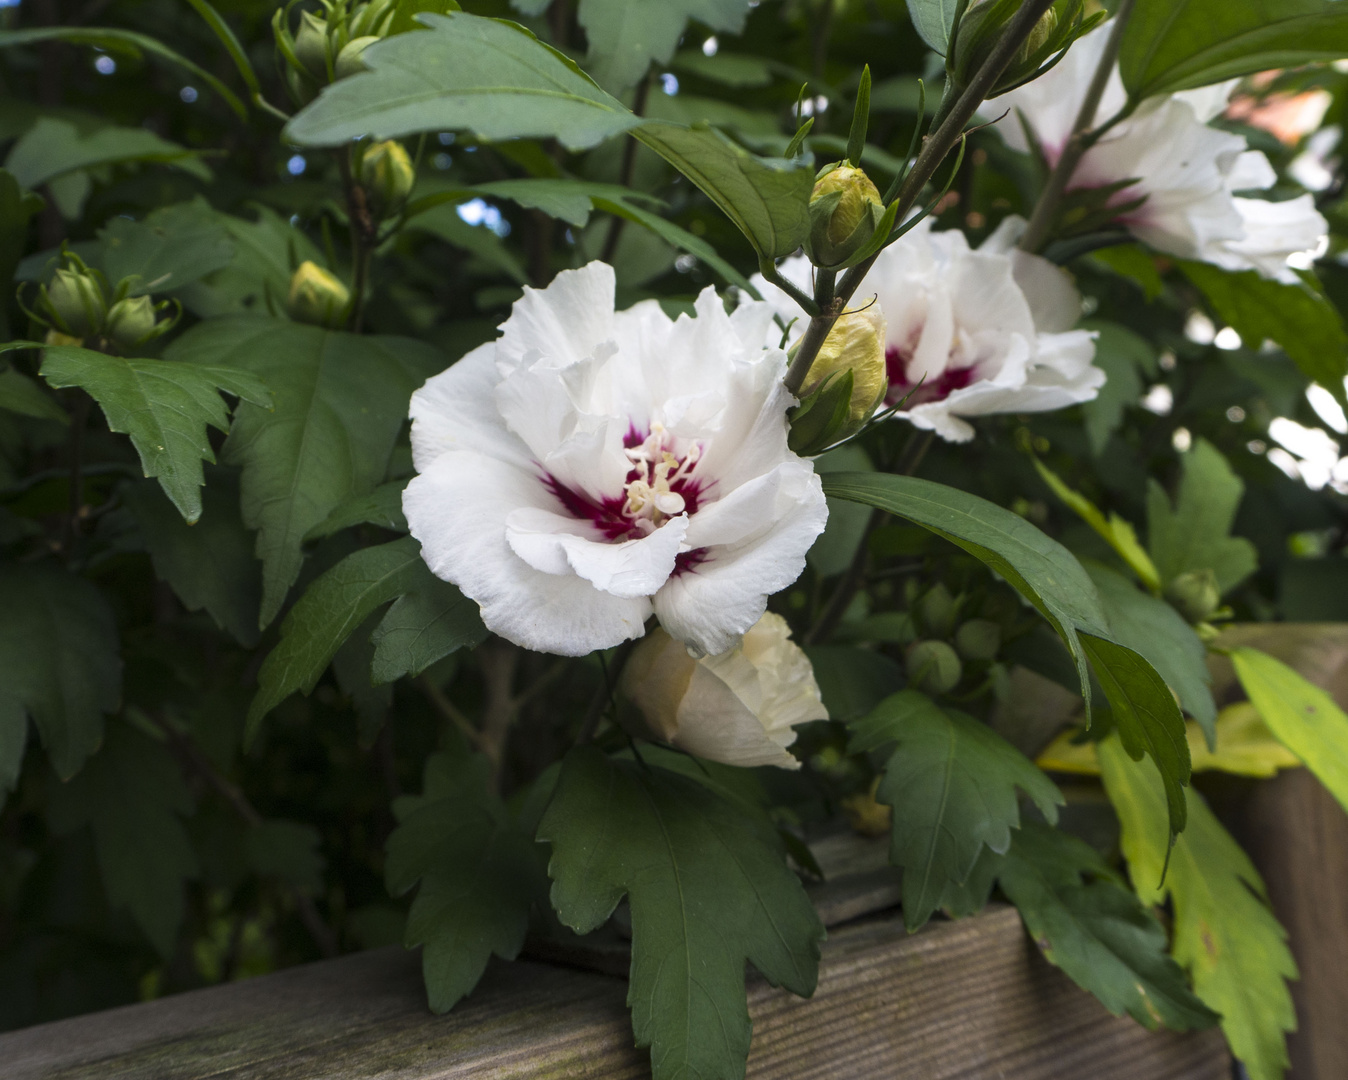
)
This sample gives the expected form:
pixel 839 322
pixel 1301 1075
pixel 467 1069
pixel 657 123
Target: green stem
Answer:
pixel 935 147
pixel 1081 139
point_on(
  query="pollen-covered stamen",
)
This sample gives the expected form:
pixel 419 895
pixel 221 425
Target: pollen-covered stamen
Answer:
pixel 660 484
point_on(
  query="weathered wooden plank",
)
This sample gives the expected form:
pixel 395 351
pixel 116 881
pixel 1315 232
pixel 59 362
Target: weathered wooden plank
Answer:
pixel 970 999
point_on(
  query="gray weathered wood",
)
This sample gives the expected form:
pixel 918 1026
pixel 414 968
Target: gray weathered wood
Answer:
pixel 970 999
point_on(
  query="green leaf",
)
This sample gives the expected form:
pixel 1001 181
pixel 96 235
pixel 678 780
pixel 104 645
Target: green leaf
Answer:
pixel 22 395
pixel 1196 533
pixel 626 35
pixel 853 681
pixel 287 850
pixel 210 564
pixel 1156 631
pixel 124 43
pixel 934 21
pixel 1114 530
pixel 1049 576
pixel 59 660
pixel 708 887
pixel 266 254
pixel 52 148
pixel 383 507
pixel 132 796
pixel 339 402
pixel 424 626
pixel 1095 930
pixel 13 740
pixel 164 405
pixel 325 616
pixel 487 76
pixel 678 236
pixel 351 667
pixel 444 222
pixel 478 871
pixel 728 69
pixel 1122 355
pixel 1147 718
pixel 16 207
pixel 1298 317
pixel 1174 45
pixel 766 198
pixel 952 783
pixel 171 247
pixel 1224 933
pixel 1305 719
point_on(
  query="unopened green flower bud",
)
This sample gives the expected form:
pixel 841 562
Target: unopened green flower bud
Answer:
pixel 349 60
pixel 845 208
pixel 317 297
pixel 311 46
pixel 387 175
pixel 978 639
pixel 131 321
pixel 75 302
pixel 1196 594
pixel 937 611
pixel 933 666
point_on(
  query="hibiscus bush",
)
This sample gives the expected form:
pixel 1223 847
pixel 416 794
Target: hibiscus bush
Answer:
pixel 469 477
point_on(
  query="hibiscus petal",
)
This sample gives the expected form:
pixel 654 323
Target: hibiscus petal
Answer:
pixel 455 410
pixel 714 723
pixel 556 544
pixel 458 508
pixel 565 323
pixel 755 542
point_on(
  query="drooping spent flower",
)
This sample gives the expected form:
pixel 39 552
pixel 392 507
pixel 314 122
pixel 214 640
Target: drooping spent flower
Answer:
pixel 741 707
pixel 1185 175
pixel 593 467
pixel 969 333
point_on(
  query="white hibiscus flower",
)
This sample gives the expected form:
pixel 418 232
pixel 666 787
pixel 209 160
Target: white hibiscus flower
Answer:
pixel 986 331
pixel 1187 173
pixel 741 707
pixel 590 468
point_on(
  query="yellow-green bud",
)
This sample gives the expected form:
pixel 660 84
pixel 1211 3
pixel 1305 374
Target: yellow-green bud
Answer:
pixel 856 343
pixel 933 666
pixel 55 337
pixel 311 45
pixel 131 321
pixel 845 208
pixel 75 302
pixel 317 297
pixel 387 175
pixel 349 60
pixel 1196 594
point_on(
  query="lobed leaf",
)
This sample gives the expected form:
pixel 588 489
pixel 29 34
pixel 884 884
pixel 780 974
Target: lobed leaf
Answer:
pixel 339 402
pixel 625 36
pixel 952 782
pixel 422 627
pixel 163 405
pixel 708 888
pixel 1224 933
pixel 59 664
pixel 1095 930
pixel 478 871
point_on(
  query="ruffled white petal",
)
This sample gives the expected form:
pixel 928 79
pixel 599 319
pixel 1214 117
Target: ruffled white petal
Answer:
pixel 455 411
pixel 458 510
pixel 754 543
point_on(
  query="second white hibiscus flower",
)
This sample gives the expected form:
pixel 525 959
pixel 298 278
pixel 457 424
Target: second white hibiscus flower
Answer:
pixel 591 468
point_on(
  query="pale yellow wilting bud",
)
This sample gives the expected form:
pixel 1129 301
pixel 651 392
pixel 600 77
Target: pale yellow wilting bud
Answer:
pixel 856 344
pixel 387 175
pixel 845 208
pixel 317 297
pixel 740 707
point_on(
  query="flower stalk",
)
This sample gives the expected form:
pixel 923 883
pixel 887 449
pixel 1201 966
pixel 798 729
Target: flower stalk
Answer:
pixel 935 147
pixel 1084 136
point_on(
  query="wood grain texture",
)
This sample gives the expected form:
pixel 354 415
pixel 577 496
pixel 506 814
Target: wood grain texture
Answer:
pixel 970 1000
pixel 1298 837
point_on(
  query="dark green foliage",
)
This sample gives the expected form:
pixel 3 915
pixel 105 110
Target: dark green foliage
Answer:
pixel 708 889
